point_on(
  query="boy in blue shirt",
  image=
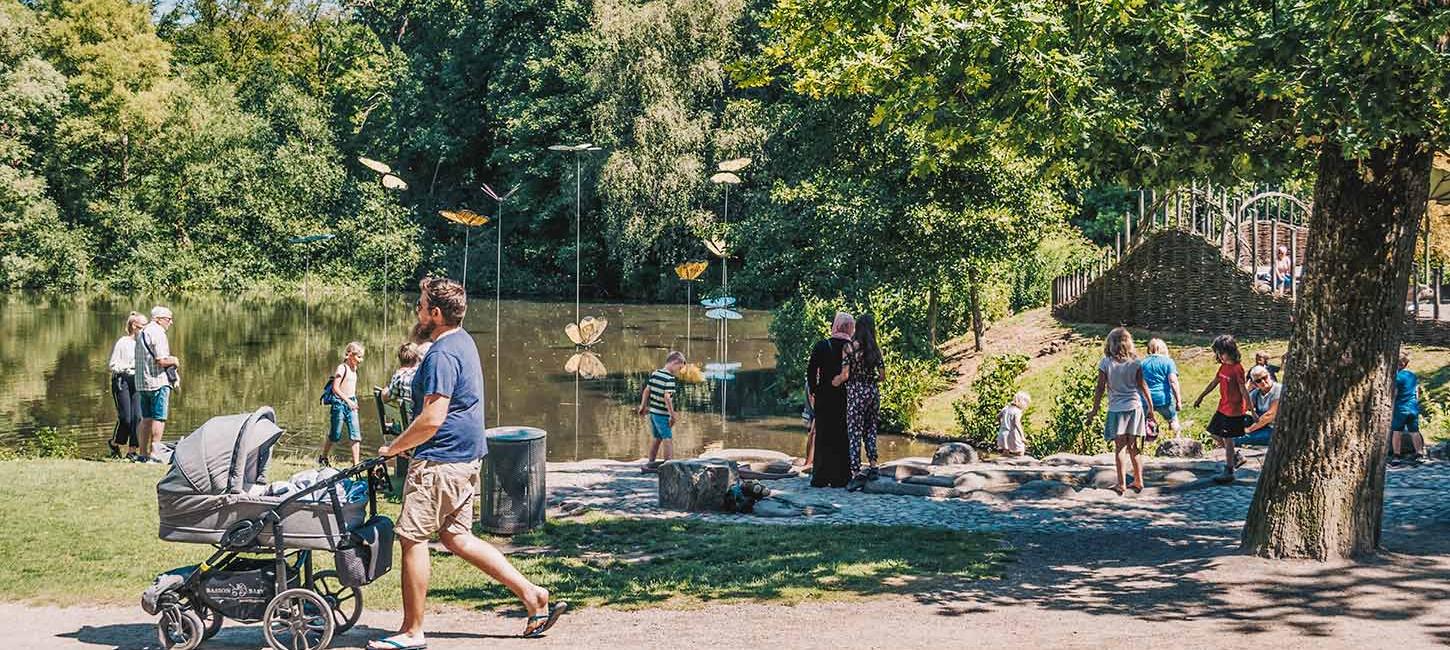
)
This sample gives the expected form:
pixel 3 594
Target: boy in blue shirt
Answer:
pixel 1407 413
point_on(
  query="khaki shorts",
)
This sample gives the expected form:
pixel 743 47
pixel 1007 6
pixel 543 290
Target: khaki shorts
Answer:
pixel 436 497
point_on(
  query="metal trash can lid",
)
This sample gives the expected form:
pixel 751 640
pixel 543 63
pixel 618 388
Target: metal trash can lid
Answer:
pixel 514 434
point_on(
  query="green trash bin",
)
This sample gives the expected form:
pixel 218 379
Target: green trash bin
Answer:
pixel 513 480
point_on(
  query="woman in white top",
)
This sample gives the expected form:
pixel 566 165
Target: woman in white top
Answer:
pixel 123 389
pixel 1122 376
pixel 1011 439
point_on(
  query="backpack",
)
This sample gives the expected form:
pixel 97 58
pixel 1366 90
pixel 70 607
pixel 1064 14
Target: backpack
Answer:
pixel 329 397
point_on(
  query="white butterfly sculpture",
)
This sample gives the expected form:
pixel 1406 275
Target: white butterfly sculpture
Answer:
pixel 586 332
pixel 586 364
pixel 722 313
pixel 717 246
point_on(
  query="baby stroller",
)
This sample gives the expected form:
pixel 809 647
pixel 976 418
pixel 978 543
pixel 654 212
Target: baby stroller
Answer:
pixel 217 493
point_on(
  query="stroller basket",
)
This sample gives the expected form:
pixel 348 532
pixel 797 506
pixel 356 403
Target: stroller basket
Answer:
pixel 368 555
pixel 242 590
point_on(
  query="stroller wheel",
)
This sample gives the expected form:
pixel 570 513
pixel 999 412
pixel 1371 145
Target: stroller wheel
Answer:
pixel 211 620
pixel 179 629
pixel 298 619
pixel 345 601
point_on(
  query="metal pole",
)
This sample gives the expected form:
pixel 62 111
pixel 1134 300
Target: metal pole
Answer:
pixel 688 301
pixel 578 225
pixel 1293 265
pixel 497 296
pixel 725 261
pixel 1438 280
pixel 466 229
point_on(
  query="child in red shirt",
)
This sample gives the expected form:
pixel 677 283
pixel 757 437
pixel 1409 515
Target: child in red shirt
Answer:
pixel 1233 403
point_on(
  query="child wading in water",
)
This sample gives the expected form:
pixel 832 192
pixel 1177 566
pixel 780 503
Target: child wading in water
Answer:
pixel 1233 403
pixel 658 399
pixel 343 412
pixel 1122 376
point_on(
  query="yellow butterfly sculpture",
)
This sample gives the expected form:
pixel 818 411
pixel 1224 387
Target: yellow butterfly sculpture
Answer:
pixel 691 374
pixel 691 270
pixel 586 332
pixel 586 364
pixel 464 216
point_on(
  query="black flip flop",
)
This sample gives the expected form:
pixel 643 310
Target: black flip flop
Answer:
pixel 549 619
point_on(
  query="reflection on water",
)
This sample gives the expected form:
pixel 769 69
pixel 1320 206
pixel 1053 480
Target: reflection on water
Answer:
pixel 240 354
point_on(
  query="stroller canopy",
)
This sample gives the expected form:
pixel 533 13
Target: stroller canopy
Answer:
pixel 226 454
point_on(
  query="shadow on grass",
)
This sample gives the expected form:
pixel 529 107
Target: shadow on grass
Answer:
pixel 636 563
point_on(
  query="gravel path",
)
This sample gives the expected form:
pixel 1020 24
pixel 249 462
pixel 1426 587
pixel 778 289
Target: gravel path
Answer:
pixel 1089 571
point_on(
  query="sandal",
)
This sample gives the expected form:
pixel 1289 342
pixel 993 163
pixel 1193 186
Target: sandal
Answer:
pixel 532 631
pixel 392 643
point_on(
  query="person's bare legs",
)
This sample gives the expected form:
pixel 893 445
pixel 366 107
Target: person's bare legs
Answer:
pixel 1119 444
pixel 489 560
pixel 811 446
pixel 669 446
pixel 654 449
pixel 143 437
pixel 1228 458
pixel 1419 442
pixel 327 447
pixel 356 452
pixel 417 569
pixel 158 427
pixel 1395 442
pixel 1137 463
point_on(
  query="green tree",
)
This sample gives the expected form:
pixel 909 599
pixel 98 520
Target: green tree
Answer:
pixel 1144 91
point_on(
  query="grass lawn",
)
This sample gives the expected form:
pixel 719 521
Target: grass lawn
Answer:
pixel 1196 367
pixel 82 532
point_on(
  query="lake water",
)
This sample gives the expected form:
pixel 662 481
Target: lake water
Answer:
pixel 238 354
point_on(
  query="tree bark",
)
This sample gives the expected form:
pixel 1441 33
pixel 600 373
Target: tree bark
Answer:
pixel 976 311
pixel 1321 493
pixel 932 306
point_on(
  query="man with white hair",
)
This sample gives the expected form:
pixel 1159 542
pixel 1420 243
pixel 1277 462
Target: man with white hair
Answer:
pixel 156 370
pixel 825 380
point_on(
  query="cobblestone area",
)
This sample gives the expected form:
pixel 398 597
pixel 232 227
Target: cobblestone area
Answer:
pixel 1412 495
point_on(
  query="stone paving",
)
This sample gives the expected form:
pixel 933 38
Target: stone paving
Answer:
pixel 1412 494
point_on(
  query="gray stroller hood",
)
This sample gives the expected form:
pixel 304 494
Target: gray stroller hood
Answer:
pixel 218 477
pixel 227 454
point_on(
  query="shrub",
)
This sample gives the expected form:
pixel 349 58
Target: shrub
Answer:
pixel 996 383
pixel 1068 428
pixel 908 382
pixel 47 442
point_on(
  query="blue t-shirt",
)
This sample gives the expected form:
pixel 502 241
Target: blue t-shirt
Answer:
pixel 452 369
pixel 1156 370
pixel 1407 398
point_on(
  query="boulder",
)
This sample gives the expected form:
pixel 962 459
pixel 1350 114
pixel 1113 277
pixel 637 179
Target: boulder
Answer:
pixel 695 485
pixel 908 489
pixel 1067 459
pixel 747 455
pixel 1180 448
pixel 954 453
pixel 1095 494
pixel 1043 489
pixel 901 471
pixel 935 480
pixel 969 482
pixel 985 498
pixel 1104 479
pixel 1180 477
pixel 1440 450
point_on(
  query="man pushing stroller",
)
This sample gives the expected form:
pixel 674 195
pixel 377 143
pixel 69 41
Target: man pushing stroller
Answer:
pixel 446 440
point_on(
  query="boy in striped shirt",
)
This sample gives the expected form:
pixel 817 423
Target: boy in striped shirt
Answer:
pixel 657 399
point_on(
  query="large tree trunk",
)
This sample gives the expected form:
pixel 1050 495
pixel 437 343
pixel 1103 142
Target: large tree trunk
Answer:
pixel 1321 493
pixel 977 327
pixel 932 307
